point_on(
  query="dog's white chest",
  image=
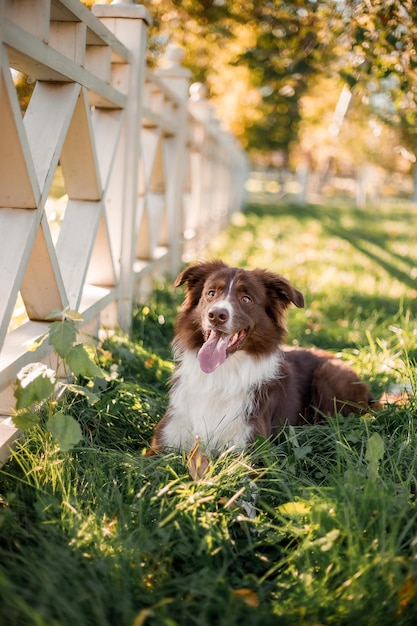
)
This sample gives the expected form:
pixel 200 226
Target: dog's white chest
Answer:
pixel 215 407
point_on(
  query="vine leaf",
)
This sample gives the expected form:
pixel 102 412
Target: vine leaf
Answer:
pixel 81 364
pixel 65 429
pixel 24 420
pixel 66 314
pixel 35 382
pixel 62 336
pixel 92 397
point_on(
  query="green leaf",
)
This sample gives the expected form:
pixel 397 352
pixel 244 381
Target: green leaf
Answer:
pixel 73 315
pixel 293 509
pixel 374 454
pixel 62 336
pixel 55 314
pixel 35 382
pixel 302 452
pixel 81 364
pixel 66 314
pixel 25 420
pixel 84 391
pixel 65 429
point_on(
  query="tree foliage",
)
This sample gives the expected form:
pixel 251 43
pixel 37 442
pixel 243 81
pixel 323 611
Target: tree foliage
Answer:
pixel 382 63
pixel 265 52
pixel 270 53
pixel 260 59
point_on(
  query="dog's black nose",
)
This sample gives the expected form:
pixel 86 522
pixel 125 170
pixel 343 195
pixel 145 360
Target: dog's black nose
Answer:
pixel 218 315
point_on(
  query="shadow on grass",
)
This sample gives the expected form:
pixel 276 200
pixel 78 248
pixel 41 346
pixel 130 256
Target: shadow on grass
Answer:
pixel 365 232
pixel 363 244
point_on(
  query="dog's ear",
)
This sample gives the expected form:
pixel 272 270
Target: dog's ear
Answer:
pixel 287 291
pixel 281 289
pixel 194 278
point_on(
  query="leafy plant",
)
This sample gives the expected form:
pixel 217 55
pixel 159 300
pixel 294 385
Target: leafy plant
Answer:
pixel 41 387
pixel 316 527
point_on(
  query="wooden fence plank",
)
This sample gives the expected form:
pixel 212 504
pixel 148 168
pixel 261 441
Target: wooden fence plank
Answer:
pixel 46 121
pixel 35 58
pixel 107 127
pixel 78 155
pixel 42 286
pixel 17 234
pixel 75 245
pixel 18 184
pixel 101 269
pixel 148 176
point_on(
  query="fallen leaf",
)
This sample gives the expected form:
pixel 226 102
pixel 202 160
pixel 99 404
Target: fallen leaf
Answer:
pixel 406 593
pixel 197 462
pixel 248 596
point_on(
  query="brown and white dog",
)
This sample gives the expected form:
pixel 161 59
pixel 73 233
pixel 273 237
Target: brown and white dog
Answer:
pixel 234 378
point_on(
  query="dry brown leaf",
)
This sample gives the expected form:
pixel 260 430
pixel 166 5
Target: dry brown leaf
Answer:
pixel 407 593
pixel 197 462
pixel 248 596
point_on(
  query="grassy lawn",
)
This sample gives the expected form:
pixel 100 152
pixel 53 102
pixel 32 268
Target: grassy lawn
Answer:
pixel 106 536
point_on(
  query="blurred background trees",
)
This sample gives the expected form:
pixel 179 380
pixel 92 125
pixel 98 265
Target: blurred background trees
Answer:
pixel 275 71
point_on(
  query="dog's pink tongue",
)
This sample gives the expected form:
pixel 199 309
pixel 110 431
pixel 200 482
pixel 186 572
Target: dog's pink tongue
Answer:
pixel 213 352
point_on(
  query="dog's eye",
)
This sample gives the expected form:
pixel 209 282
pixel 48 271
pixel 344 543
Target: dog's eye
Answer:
pixel 211 293
pixel 246 299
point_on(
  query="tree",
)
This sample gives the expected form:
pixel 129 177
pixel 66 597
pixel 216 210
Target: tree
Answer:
pixel 291 46
pixel 265 52
pixel 260 59
pixel 382 67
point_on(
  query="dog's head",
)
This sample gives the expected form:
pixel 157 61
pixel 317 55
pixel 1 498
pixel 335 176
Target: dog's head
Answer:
pixel 229 309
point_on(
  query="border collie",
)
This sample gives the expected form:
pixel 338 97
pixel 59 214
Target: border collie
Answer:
pixel 234 378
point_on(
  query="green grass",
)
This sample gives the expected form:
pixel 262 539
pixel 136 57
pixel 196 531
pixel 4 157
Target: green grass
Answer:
pixel 107 536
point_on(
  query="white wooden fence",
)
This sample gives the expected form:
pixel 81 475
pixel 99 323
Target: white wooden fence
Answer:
pixel 149 174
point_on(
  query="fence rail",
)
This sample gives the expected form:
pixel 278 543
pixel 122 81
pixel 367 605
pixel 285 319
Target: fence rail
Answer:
pixel 149 174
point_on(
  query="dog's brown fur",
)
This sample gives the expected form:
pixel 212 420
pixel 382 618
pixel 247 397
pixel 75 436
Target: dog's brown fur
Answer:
pixel 248 308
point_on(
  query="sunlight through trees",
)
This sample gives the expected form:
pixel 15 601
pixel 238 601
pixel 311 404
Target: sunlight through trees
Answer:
pixel 274 67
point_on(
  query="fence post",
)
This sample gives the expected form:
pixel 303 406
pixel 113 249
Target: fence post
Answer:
pixel 178 79
pixel 129 24
pixel 204 124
